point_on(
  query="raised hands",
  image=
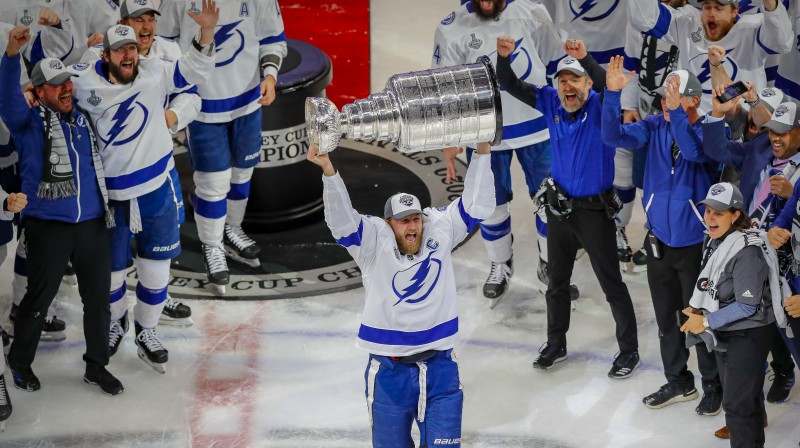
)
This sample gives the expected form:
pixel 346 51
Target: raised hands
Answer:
pixel 718 108
pixel 716 55
pixel 207 19
pixel 505 45
pixel 616 79
pixel 17 38
pixel 672 94
pixel 321 160
pixel 48 17
pixel 575 49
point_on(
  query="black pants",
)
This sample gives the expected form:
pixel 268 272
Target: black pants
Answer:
pixel 592 230
pixel 741 368
pixel 781 357
pixel 672 279
pixel 50 245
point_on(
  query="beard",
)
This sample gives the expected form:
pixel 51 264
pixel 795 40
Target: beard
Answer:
pixel 677 3
pixel 578 104
pixel 407 248
pixel 487 16
pixel 122 79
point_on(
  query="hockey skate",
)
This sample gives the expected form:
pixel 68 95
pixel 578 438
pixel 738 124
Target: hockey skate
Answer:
pixel 496 285
pixel 640 261
pixel 543 275
pixel 175 314
pixel 116 334
pixel 240 247
pixel 216 267
pixel 151 351
pixel 54 329
pixel 5 403
pixel 624 252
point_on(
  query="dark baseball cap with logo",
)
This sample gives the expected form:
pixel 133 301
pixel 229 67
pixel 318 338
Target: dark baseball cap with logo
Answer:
pixel 724 196
pixel 689 85
pixel 50 71
pixel 401 205
pixel 131 9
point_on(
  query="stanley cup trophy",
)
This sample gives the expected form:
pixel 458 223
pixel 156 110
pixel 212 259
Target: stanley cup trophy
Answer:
pixel 418 111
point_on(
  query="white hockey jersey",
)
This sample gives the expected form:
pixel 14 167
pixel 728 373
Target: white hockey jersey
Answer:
pixel 599 23
pixel 186 103
pixel 247 31
pixel 134 142
pixel 783 71
pixel 652 59
pixel 410 302
pixel 746 45
pixel 462 37
pixel 79 20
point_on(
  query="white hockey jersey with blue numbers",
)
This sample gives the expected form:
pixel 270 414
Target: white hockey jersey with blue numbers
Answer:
pixel 247 31
pixel 410 302
pixel 135 144
pixel 462 37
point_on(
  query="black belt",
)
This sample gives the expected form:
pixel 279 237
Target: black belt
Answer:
pixel 416 357
pixel 593 202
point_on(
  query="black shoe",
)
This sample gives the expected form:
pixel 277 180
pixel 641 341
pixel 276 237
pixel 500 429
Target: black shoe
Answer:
pixel 108 383
pixel 781 387
pixel 549 355
pixel 497 283
pixel 710 404
pixel 25 379
pixel 624 365
pixel 668 394
pixel 640 261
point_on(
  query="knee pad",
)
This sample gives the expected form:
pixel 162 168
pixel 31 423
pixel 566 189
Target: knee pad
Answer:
pixel 241 175
pixel 501 213
pixel 240 184
pixel 212 186
pixel 153 274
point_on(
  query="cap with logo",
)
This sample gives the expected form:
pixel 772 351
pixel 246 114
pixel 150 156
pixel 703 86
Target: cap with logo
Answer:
pixel 119 35
pixel 50 71
pixel 572 65
pixel 699 3
pixel 784 118
pixel 131 9
pixel 401 205
pixel 689 84
pixel 724 196
pixel 771 97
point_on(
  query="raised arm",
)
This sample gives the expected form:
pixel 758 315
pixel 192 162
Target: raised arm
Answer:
pixel 775 35
pixel 631 135
pixel 577 50
pixel 655 19
pixel 527 93
pixel 13 107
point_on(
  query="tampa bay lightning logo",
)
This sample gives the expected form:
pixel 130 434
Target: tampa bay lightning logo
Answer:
pixel 716 189
pixel 223 35
pixel 122 122
pixel 782 109
pixel 406 200
pixel 704 75
pixel 449 19
pixel 767 92
pixel 415 284
pixel 591 10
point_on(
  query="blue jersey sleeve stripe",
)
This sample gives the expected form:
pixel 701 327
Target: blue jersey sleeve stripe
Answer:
pixel 525 128
pixel 230 104
pixel 118 294
pixel 468 220
pixel 272 39
pixel 788 86
pixel 239 192
pixel 178 79
pixel 397 337
pixel 354 239
pixel 662 23
pixel 139 177
pixel 210 209
pixel 151 296
pixel 761 44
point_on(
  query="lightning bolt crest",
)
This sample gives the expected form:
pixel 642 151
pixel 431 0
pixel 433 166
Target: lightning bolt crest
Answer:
pixel 120 117
pixel 584 8
pixel 224 33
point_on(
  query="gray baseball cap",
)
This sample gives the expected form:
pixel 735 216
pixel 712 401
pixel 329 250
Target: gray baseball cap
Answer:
pixel 50 71
pixel 131 9
pixel 689 84
pixel 401 205
pixel 785 118
pixel 119 35
pixel 699 3
pixel 771 97
pixel 724 196
pixel 572 65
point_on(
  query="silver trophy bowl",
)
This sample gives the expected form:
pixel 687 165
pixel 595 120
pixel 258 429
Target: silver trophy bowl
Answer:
pixel 418 111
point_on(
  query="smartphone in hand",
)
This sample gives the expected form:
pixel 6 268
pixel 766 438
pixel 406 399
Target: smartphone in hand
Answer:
pixel 732 91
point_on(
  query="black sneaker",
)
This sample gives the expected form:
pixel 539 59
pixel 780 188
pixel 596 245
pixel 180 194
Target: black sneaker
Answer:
pixel 109 384
pixel 549 355
pixel 710 404
pixel 781 387
pixel 25 379
pixel 624 365
pixel 669 394
pixel 640 261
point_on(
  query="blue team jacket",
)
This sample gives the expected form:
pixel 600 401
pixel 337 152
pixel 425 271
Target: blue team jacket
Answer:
pixel 27 131
pixel 671 187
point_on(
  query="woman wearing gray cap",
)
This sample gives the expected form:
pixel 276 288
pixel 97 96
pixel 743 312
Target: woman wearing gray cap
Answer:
pixel 732 307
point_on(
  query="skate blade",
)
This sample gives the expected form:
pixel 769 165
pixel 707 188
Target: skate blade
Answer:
pixel 218 290
pixel 493 302
pixel 233 255
pixel 160 368
pixel 3 426
pixel 53 336
pixel 172 322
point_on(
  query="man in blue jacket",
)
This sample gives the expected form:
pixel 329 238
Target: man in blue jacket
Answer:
pixel 66 217
pixel 677 175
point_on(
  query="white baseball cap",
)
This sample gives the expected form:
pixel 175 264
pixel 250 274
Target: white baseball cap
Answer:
pixel 50 71
pixel 784 118
pixel 771 97
pixel 119 35
pixel 689 84
pixel 401 205
pixel 724 196
pixel 135 8
pixel 570 64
